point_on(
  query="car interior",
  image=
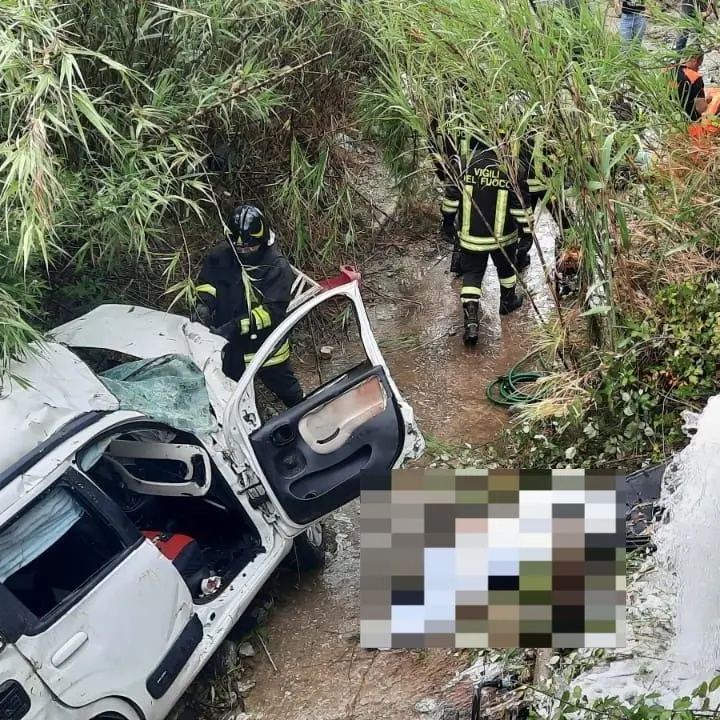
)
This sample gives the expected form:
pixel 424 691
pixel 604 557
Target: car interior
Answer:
pixel 166 484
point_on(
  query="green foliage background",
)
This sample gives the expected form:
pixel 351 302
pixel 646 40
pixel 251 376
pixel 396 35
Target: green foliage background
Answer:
pixel 111 113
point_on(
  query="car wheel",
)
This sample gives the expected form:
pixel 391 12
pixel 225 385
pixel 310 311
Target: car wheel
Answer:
pixel 310 549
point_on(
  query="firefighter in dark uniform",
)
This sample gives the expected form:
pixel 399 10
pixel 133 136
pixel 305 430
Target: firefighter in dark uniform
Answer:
pixel 244 290
pixel 532 177
pixel 489 218
pixel 533 189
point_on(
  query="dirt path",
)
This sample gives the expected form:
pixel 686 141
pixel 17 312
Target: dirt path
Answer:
pixel 313 635
pixel 444 381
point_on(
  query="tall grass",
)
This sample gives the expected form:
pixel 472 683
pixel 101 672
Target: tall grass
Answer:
pixel 554 80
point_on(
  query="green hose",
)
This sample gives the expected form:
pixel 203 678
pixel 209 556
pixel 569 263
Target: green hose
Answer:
pixel 504 390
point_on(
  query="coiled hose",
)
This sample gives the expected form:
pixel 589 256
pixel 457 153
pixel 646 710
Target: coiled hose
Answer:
pixel 505 390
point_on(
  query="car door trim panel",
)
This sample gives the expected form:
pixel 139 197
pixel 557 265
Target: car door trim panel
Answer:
pixel 176 659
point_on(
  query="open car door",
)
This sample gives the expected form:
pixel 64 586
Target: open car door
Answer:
pixel 311 459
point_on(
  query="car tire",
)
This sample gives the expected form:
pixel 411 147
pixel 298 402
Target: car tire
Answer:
pixel 310 549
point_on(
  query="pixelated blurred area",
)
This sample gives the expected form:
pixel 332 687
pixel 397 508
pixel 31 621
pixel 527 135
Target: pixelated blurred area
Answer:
pixel 494 558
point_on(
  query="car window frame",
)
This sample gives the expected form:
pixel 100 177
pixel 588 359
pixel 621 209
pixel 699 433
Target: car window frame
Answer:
pixel 17 620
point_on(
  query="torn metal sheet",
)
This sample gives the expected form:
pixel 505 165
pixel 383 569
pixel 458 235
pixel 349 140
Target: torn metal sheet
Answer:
pixel 52 388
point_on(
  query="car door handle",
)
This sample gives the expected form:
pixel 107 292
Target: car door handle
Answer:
pixel 74 644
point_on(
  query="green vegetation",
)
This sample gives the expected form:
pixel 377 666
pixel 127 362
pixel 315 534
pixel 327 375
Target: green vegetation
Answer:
pixel 637 346
pixel 130 128
pixel 697 704
pixel 126 123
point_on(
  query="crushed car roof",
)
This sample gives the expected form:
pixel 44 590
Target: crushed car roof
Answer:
pixel 45 391
pixel 140 332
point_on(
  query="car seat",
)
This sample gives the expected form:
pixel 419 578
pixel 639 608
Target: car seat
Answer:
pixel 185 554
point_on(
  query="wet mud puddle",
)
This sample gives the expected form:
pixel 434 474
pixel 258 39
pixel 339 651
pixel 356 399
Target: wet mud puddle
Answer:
pixel 418 323
pixel 318 671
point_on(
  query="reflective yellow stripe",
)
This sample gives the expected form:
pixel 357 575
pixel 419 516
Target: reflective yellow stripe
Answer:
pixel 523 217
pixel 468 190
pixel 280 356
pixel 450 205
pixel 470 294
pixel 482 244
pixel 500 211
pixel 245 326
pixel 206 288
pixel 262 317
pixel 508 282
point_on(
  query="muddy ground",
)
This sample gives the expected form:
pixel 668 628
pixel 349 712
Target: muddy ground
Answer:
pixel 320 672
pixel 444 381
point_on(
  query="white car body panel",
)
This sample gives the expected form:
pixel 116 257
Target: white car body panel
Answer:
pixel 35 412
pixel 118 641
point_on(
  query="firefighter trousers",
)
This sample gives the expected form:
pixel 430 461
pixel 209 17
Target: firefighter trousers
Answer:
pixel 474 265
pixel 278 379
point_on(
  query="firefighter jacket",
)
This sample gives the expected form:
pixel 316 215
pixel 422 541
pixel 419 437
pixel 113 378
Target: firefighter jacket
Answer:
pixel 247 303
pixel 488 210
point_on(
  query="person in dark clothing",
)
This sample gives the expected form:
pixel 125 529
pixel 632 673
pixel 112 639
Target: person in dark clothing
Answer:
pixel 488 217
pixel 697 10
pixel 534 192
pixel 244 290
pixel 690 86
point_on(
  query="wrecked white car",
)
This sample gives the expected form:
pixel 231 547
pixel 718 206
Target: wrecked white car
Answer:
pixel 141 511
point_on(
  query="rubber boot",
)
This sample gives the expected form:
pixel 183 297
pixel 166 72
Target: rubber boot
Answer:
pixel 522 261
pixel 470 316
pixel 455 264
pixel 509 300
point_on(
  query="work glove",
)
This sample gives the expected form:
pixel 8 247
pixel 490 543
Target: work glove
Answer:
pixel 225 331
pixel 202 314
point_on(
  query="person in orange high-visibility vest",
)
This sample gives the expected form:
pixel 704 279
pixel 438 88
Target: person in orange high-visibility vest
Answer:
pixel 709 124
pixel 688 81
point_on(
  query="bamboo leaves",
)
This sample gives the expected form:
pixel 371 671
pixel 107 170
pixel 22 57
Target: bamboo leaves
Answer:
pixel 109 111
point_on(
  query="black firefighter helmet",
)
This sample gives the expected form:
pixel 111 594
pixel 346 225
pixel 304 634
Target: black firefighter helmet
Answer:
pixel 248 231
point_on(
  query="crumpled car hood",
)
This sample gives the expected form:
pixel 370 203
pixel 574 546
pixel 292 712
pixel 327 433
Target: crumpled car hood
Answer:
pixel 145 334
pixel 140 332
